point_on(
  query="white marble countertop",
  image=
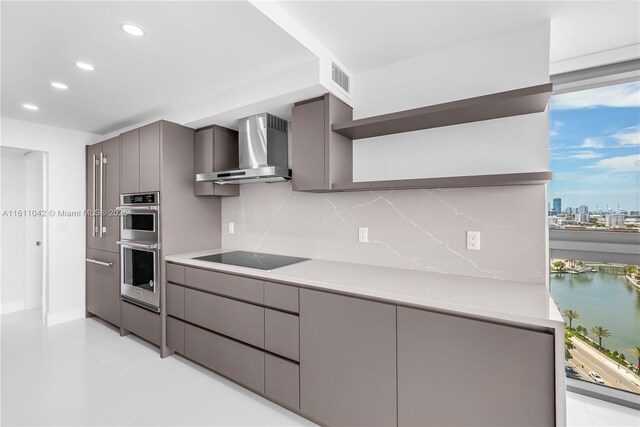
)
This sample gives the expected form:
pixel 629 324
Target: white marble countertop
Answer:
pixel 506 301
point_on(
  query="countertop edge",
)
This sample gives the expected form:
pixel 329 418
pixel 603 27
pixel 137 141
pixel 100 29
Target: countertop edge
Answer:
pixel 553 322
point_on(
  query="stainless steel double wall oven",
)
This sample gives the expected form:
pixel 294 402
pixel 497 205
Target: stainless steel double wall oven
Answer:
pixel 140 249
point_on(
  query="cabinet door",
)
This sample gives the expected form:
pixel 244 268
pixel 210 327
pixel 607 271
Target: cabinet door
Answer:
pixel 455 372
pixel 308 146
pixel 215 149
pixel 347 360
pixel 103 285
pixel 143 323
pixel 111 189
pixel 93 155
pixel 150 157
pixel 235 360
pixel 130 161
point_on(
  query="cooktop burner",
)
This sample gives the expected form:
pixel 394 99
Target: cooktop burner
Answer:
pixel 252 259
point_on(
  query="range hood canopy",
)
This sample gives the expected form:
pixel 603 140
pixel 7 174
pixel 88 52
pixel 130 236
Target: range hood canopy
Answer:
pixel 263 148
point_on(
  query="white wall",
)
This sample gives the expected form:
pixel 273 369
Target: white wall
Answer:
pixel 66 190
pixel 33 253
pixel 504 61
pixel 425 229
pixel 12 197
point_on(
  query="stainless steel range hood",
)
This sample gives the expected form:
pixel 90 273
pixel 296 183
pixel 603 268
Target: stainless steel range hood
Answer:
pixel 263 152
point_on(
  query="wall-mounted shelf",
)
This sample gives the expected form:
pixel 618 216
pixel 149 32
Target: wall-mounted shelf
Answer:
pixel 528 178
pixel 516 102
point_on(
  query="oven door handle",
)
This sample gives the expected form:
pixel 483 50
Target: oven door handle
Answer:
pixel 148 246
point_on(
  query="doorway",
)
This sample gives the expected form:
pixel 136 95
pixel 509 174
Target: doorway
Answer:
pixel 22 230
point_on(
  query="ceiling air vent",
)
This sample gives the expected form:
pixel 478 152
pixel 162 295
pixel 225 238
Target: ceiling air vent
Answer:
pixel 340 77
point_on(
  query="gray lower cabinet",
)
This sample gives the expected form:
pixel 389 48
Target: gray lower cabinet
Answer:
pixel 142 322
pixel 347 360
pixel 282 381
pixel 235 319
pixel 175 300
pixel 175 334
pixel 454 371
pixel 103 285
pixel 282 334
pixel 230 358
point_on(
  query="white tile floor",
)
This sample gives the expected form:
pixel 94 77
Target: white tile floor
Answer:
pixel 82 373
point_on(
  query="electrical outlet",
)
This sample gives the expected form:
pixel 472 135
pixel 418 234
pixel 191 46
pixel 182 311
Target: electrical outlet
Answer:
pixel 232 227
pixel 363 234
pixel 473 240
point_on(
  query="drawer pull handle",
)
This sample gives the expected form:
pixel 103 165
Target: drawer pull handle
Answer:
pixel 95 261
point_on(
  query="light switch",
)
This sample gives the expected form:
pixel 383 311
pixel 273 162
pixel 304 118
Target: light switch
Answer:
pixel 232 228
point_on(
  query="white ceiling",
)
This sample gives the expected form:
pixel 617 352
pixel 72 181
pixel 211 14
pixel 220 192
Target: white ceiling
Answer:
pixel 370 34
pixel 192 51
pixel 198 51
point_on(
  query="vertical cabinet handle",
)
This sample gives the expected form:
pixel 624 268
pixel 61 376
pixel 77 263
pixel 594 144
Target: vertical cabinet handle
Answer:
pixel 102 161
pixel 93 199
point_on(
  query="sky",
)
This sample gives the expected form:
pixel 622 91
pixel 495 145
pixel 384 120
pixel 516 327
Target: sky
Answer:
pixel 595 147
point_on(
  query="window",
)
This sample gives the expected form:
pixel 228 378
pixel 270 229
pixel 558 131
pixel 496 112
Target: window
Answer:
pixel 595 158
pixel 594 231
pixel 601 306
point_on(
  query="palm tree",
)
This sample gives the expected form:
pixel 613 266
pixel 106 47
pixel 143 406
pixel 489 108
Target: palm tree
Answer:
pixel 571 315
pixel 600 332
pixel 636 352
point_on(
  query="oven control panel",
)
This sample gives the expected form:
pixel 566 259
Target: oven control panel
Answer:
pixel 139 199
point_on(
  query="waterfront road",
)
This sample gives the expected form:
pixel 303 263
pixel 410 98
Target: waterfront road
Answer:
pixel 586 359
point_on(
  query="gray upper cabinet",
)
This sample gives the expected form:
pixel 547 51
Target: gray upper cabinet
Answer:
pixel 130 161
pixel 215 149
pixel 103 192
pixel 140 159
pixel 320 157
pixel 454 371
pixel 347 360
pixel 150 157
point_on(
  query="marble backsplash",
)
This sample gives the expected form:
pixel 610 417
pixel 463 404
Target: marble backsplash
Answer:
pixel 413 229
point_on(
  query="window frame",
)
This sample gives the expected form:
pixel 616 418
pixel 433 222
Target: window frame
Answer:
pixel 605 246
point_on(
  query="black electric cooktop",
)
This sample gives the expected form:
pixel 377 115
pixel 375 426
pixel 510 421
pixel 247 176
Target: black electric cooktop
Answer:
pixel 252 259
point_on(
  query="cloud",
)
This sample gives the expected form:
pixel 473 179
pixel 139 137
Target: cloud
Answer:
pixel 630 136
pixel 592 143
pixel 625 95
pixel 587 154
pixel 618 164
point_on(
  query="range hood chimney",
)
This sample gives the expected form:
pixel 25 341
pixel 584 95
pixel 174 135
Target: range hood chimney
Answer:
pixel 263 147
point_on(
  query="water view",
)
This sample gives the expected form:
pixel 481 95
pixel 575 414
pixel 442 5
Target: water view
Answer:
pixel 604 298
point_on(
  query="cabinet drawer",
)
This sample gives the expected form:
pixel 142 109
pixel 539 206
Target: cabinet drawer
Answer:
pixel 175 273
pixel 175 300
pixel 175 334
pixel 282 381
pixel 141 322
pixel 235 319
pixel 282 334
pixel 225 284
pixel 281 296
pixel 237 361
pixel 103 285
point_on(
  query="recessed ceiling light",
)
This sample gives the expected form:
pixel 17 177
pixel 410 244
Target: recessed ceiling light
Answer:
pixel 85 66
pixel 59 85
pixel 132 29
pixel 30 107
